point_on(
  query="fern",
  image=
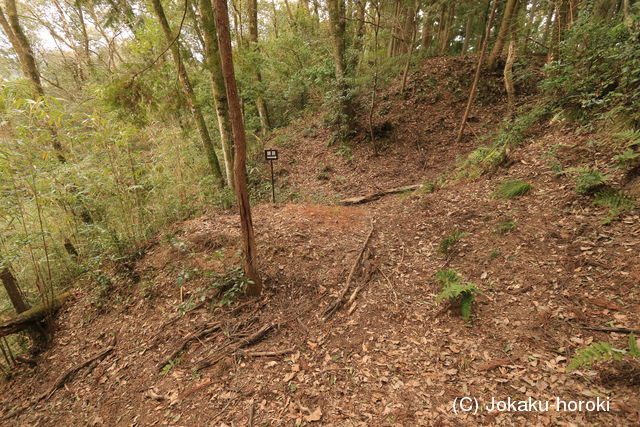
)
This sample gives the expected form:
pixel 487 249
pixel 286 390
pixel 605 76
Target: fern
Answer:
pixel 455 289
pixel 616 202
pixel 603 351
pixel 451 241
pixel 588 180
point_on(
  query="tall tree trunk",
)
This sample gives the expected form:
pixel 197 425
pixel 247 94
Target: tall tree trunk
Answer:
pixel 467 34
pixel 190 96
pixel 218 89
pixel 503 32
pixel 337 24
pixel 446 34
pixel 85 36
pixel 508 77
pixel 427 33
pixel 358 39
pixel 240 170
pixel 263 112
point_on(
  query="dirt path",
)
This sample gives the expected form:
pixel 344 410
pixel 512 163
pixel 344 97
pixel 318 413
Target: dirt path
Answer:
pixel 396 357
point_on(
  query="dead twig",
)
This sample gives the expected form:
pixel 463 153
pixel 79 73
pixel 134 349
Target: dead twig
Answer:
pixel 332 308
pixel 237 345
pixel 195 336
pixel 269 353
pixel 616 330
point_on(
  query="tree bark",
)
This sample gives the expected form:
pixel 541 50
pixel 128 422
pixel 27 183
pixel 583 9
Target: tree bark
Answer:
pixel 503 32
pixel 218 89
pixel 235 113
pixel 188 92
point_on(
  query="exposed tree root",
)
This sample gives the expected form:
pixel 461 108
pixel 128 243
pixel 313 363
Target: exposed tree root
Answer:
pixel 197 335
pixel 335 306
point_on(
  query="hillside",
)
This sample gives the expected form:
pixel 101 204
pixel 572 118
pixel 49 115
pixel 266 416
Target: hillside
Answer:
pixel 545 264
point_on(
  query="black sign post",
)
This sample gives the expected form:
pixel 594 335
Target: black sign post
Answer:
pixel 272 155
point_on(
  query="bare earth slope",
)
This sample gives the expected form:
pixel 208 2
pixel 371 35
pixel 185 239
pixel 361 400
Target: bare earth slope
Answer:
pixel 391 356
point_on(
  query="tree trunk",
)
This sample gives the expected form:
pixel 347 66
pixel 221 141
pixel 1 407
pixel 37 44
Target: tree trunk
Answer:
pixel 427 33
pixel 446 35
pixel 476 77
pixel 174 43
pixel 503 32
pixel 358 39
pixel 337 25
pixel 235 113
pixel 218 89
pixel 508 77
pixel 467 33
pixel 263 112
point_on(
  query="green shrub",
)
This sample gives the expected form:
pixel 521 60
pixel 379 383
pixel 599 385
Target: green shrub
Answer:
pixel 512 188
pixel 457 291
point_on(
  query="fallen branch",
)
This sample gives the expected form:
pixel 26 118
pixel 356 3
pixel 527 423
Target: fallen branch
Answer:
pixel 269 353
pixel 197 335
pixel 332 308
pixel 28 318
pixel 375 196
pixel 616 330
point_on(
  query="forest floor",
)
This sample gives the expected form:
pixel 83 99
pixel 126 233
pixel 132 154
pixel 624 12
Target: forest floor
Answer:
pixel 391 355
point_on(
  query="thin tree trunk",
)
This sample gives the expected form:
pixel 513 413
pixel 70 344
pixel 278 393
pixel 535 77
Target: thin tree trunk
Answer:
pixel 427 32
pixel 503 32
pixel 476 77
pixel 263 111
pixel 467 34
pixel 188 92
pixel 224 41
pixel 218 89
pixel 508 77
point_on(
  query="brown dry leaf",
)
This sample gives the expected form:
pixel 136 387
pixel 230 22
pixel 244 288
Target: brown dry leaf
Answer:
pixel 605 303
pixel 314 416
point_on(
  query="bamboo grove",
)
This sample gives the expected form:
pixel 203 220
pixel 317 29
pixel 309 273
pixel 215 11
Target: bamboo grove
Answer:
pixel 115 116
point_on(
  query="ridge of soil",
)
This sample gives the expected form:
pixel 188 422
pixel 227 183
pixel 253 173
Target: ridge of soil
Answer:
pixel 395 357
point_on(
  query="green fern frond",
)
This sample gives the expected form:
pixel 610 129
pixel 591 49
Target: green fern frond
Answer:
pixel 455 289
pixel 595 352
